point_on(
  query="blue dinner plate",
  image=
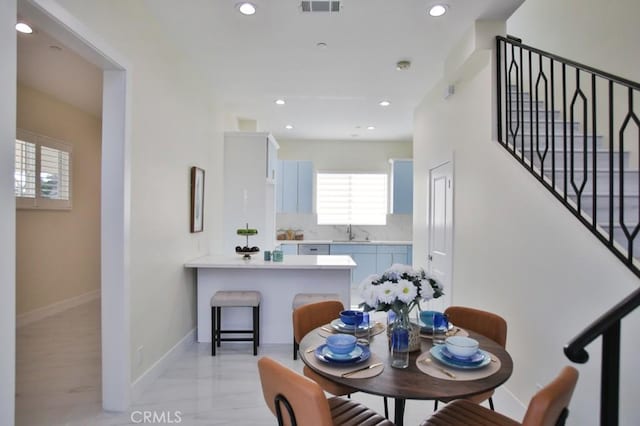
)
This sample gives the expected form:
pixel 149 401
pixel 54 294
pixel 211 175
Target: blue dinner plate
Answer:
pixel 436 352
pixel 340 326
pixel 476 358
pixel 359 354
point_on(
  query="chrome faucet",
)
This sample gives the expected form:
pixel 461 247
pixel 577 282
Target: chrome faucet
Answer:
pixel 350 232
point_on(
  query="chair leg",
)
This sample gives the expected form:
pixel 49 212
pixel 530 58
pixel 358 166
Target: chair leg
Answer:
pixel 219 324
pixel 295 349
pixel 258 327
pixel 256 313
pixel 386 408
pixel 491 403
pixel 435 405
pixel 213 331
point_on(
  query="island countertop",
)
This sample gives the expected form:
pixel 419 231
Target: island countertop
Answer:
pixel 289 262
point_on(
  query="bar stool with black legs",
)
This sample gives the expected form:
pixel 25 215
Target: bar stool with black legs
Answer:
pixel 234 299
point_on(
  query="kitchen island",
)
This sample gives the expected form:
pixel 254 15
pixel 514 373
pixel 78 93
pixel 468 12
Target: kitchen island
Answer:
pixel 278 282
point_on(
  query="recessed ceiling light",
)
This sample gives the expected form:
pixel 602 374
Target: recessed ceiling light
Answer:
pixel 321 45
pixel 384 103
pixel 437 10
pixel 403 65
pixel 23 28
pixel 288 127
pixel 371 128
pixel 280 102
pixel 246 8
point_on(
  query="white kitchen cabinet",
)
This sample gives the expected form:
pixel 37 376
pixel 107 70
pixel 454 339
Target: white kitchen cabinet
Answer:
pixel 250 161
pixel 401 186
pixel 295 186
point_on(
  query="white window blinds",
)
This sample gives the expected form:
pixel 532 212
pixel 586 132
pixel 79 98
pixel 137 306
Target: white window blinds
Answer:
pixel 25 170
pixel 42 172
pixel 351 198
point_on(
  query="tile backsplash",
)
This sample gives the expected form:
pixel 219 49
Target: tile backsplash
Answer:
pixel 399 227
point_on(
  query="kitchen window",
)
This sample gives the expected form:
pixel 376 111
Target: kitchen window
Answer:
pixel 42 176
pixel 351 198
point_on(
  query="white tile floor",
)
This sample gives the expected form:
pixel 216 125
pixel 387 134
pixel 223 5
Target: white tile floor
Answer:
pixel 58 381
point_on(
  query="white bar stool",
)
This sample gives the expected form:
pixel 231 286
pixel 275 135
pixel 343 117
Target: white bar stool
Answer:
pixel 235 299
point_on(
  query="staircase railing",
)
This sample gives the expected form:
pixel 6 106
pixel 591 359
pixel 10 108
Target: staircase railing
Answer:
pixel 550 113
pixel 607 326
pixel 541 97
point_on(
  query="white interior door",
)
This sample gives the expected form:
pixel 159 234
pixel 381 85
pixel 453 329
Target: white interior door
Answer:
pixel 441 229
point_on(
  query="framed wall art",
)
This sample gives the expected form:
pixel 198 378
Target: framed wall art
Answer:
pixel 197 199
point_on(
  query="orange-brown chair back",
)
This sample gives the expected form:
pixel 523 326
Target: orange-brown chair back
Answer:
pixel 313 315
pixel 548 404
pixel 306 398
pixel 486 323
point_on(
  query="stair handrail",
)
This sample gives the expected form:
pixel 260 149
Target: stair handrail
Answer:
pixel 607 326
pixel 575 349
pixel 592 70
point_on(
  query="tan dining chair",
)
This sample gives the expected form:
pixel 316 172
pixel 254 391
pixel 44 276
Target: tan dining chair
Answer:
pixel 309 317
pixel 486 323
pixel 548 407
pixel 297 400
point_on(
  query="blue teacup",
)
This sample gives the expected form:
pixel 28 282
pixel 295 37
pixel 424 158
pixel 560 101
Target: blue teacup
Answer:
pixel 427 317
pixel 353 318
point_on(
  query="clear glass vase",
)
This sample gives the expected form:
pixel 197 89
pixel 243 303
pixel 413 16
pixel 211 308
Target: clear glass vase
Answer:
pixel 401 328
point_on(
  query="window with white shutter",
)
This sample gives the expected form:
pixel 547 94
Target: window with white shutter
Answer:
pixel 351 198
pixel 42 172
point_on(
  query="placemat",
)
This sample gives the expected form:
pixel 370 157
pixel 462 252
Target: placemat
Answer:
pixel 433 369
pixel 377 328
pixel 338 370
pixel 457 331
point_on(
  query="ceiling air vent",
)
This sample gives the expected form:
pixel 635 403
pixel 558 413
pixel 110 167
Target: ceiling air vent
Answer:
pixel 320 6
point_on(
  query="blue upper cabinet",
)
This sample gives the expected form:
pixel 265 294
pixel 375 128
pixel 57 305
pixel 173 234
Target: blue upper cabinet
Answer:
pixel 305 186
pixel 402 186
pixel 294 192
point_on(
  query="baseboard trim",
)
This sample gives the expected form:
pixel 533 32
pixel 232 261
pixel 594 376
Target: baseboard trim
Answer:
pixel 55 308
pixel 147 378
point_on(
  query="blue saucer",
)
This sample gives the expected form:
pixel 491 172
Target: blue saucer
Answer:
pixel 476 358
pixel 359 354
pixel 436 352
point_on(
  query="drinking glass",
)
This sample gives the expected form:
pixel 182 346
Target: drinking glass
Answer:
pixel 440 322
pixel 364 330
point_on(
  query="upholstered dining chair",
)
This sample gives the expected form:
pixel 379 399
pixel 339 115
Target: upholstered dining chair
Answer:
pixel 548 407
pixel 486 323
pixel 309 317
pixel 297 400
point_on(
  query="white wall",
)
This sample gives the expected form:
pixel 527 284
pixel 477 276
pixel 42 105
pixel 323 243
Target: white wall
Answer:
pixel 7 210
pixel 173 127
pixel 353 156
pixel 517 251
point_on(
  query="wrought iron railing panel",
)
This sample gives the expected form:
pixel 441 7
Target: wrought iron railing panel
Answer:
pixel 550 118
pixel 595 176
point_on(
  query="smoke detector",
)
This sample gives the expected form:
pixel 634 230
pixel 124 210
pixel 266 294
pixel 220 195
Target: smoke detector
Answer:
pixel 403 65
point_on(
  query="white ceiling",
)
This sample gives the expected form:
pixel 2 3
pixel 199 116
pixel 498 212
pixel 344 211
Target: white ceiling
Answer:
pixel 251 61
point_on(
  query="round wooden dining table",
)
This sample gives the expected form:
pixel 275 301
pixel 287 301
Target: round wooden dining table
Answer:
pixel 411 383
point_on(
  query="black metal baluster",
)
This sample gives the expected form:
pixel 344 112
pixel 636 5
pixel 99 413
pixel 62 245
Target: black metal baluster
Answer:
pixel 553 127
pixel 531 152
pixel 611 195
pixel 593 154
pixel 499 89
pixel 564 126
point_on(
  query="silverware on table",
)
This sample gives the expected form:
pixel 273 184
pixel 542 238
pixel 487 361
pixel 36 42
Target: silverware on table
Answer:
pixel 429 362
pixel 328 330
pixel 347 374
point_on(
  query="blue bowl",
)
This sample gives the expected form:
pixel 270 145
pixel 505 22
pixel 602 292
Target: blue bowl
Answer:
pixel 341 344
pixel 427 317
pixel 351 317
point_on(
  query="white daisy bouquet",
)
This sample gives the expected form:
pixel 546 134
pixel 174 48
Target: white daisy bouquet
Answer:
pixel 400 288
